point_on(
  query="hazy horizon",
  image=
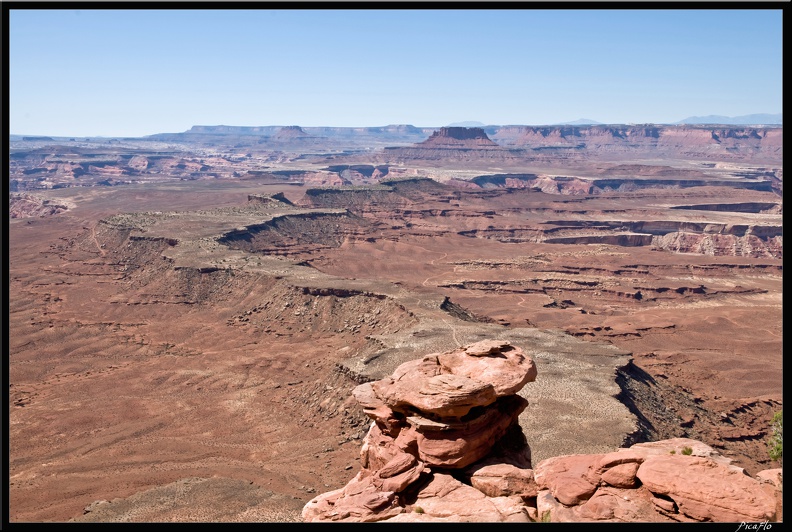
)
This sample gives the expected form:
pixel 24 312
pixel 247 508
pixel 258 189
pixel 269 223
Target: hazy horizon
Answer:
pixel 138 72
pixel 571 123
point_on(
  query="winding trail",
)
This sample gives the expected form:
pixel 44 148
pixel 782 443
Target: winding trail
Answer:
pixel 432 262
pixel 433 276
pixel 453 332
pixel 96 241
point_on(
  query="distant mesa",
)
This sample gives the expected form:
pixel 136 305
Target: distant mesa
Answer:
pixel 236 130
pixel 291 132
pixel 458 137
pixel 451 144
pixel 400 128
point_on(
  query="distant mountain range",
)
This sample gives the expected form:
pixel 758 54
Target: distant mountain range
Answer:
pixel 581 122
pixel 466 124
pixel 755 119
pixel 744 120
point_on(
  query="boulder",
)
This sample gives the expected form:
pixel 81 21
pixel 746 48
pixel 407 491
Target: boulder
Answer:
pixel 620 505
pixel 447 498
pixel 449 384
pixel 504 480
pixel 571 479
pixel 621 476
pixel 359 501
pixel 772 476
pixel 677 446
pixel 440 412
pixel 705 489
pixel 503 366
pixel 446 395
pixel 447 409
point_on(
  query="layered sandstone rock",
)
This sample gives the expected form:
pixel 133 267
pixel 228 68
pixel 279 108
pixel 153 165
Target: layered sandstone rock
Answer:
pixel 679 480
pixel 449 408
pixel 290 132
pixel 441 412
pixel 458 137
pixel 21 205
pixel 442 448
pixel 731 142
pixel 451 143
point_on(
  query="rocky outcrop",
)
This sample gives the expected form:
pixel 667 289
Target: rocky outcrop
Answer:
pixel 458 137
pixel 360 173
pixel 449 409
pixel 754 242
pixel 676 480
pixel 21 205
pixel 290 132
pixel 451 143
pixel 138 162
pixel 441 449
pixel 441 412
pixel 504 480
pixel 733 143
pixel 567 185
pixel 293 232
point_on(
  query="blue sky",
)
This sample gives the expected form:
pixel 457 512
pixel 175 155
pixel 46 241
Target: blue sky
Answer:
pixel 138 72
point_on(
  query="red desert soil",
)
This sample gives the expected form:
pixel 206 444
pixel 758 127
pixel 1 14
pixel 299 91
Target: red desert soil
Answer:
pixel 146 393
pixel 185 376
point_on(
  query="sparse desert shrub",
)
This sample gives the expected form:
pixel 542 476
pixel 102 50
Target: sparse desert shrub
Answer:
pixel 776 450
pixel 687 451
pixel 418 510
pixel 672 451
pixel 545 517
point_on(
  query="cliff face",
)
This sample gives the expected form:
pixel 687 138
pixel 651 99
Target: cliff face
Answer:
pixel 290 133
pixel 738 143
pixel 458 137
pixel 453 144
pixel 21 205
pixel 760 144
pixel 580 143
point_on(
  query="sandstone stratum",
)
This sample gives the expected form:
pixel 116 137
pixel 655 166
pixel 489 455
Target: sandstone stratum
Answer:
pixel 428 456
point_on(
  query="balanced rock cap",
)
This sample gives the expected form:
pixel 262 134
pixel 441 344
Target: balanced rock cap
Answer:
pixel 450 384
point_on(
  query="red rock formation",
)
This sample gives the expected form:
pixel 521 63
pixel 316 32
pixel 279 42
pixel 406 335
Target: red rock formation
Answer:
pixel 444 412
pixel 449 408
pixel 290 132
pixel 21 205
pixel 458 137
pixel 504 480
pixel 705 490
pixel 138 162
pixel 670 480
pixel 451 143
pixel 323 179
pixel 751 244
pixel 739 143
pixel 571 479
